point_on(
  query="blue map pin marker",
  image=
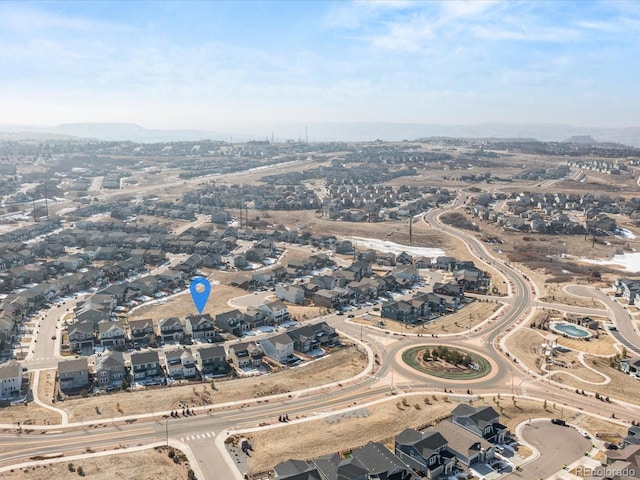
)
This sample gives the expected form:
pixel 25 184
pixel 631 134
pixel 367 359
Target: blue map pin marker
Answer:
pixel 200 290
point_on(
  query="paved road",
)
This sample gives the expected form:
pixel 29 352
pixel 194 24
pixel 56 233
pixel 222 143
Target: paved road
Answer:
pixel 626 333
pixel 45 350
pixel 557 445
pixel 506 378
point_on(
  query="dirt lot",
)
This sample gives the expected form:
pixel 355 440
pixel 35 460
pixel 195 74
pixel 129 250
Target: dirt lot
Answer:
pixel 181 305
pixel 148 464
pixel 382 422
pixel 340 365
pixel 621 386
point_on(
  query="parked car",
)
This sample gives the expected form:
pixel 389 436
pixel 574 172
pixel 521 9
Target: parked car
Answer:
pixel 557 421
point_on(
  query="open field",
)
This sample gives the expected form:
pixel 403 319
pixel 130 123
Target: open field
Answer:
pixel 381 422
pixel 340 365
pixel 621 387
pixel 597 346
pixel 149 464
pixel 181 305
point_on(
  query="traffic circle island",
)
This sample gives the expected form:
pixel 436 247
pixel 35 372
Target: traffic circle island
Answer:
pixel 446 362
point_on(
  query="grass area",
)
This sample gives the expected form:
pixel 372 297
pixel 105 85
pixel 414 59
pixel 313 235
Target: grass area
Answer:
pixel 341 364
pixel 181 305
pixel 383 421
pixel 413 358
pixel 149 464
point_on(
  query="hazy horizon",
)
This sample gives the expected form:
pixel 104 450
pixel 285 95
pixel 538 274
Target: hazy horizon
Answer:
pixel 211 65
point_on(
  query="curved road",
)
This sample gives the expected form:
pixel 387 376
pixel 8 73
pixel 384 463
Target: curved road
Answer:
pixel 249 413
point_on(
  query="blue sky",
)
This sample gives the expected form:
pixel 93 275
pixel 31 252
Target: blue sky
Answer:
pixel 206 64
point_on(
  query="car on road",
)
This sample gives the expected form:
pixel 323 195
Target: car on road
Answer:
pixel 557 421
pixel 351 315
pixel 611 446
pixel 53 337
pixel 339 313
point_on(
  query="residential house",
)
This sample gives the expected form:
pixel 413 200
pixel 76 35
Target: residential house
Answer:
pixel 371 461
pixel 631 366
pixel 81 337
pixel 246 354
pixel 145 365
pixel 296 470
pixel 425 452
pixel 111 334
pixel 254 317
pixel 277 311
pixel 278 347
pixel 468 447
pixel 10 380
pixel 200 327
pixel 231 322
pixel 142 332
pixel 212 360
pixel 73 375
pixel 110 370
pixel 482 421
pixel 290 293
pixel 312 336
pixel 633 436
pixel 627 289
pixel 170 330
pixel 180 363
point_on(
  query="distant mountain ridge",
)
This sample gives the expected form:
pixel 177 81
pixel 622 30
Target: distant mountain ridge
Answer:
pixel 330 131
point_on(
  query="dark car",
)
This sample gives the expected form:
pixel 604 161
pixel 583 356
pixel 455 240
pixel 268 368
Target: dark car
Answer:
pixel 351 315
pixel 557 421
pixel 612 446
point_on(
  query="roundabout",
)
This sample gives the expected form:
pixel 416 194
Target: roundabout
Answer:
pixel 447 363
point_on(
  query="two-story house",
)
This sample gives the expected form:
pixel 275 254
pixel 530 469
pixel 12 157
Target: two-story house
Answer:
pixel 231 322
pixel 276 311
pixel 110 370
pixel 200 327
pixel 10 380
pixel 482 421
pixel 145 366
pixel 180 363
pixel 313 336
pixel 81 337
pixel 142 332
pixel 426 452
pixel 212 360
pixel 278 347
pixel 170 330
pixel 73 375
pixel 245 355
pixel 111 334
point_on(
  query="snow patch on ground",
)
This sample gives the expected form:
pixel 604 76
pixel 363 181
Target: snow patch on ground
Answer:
pixel 624 233
pixel 629 261
pixel 396 248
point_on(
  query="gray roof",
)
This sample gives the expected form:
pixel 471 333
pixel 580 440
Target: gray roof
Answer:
pixel 292 468
pixel 215 351
pixel 76 365
pixel 144 357
pixel 11 370
pixel 426 443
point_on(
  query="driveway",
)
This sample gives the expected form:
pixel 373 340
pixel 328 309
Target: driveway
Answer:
pixel 557 445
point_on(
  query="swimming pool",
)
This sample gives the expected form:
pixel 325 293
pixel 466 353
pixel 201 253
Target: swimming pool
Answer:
pixel 570 330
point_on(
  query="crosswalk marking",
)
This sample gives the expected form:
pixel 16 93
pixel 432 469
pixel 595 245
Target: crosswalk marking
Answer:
pixel 198 436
